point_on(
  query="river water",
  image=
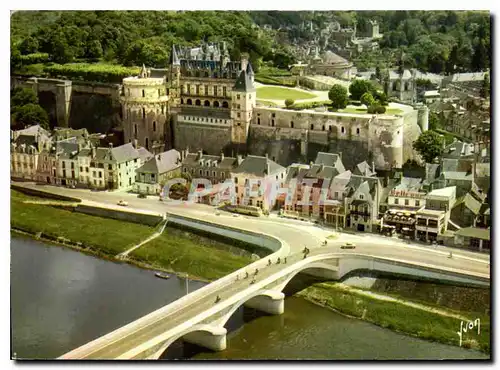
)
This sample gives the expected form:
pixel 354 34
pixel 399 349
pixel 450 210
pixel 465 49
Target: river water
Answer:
pixel 62 299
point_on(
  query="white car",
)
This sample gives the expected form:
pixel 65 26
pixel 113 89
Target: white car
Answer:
pixel 122 203
pixel 348 246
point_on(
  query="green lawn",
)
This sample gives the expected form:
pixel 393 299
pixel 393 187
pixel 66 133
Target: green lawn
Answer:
pixel 268 103
pixel 280 93
pixel 106 235
pixel 179 251
pixel 175 250
pixel 399 317
pixel 361 110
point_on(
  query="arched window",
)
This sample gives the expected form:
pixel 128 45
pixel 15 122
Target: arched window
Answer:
pixel 198 102
pixel 143 112
pixel 189 102
pixel 225 104
pixel 323 128
pixel 291 124
pixel 182 101
pixel 206 73
pixel 207 103
pixel 147 143
pixel 357 131
pixel 312 126
pixel 143 93
pixel 258 121
pixel 154 126
pixel 135 130
pixel 216 104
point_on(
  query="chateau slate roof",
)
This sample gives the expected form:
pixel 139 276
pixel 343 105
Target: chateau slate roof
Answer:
pixel 244 83
pixel 330 159
pixel 192 160
pixel 296 171
pixel 144 154
pixel 320 171
pixel 363 169
pixel 205 113
pixel 332 58
pixel 457 175
pixel 470 202
pixel 409 184
pixel 67 150
pixel 258 166
pixel 33 131
pixel 174 59
pixel 124 153
pixel 474 232
pixel 341 181
pixel 443 192
pixel 163 162
pixel 26 140
pixel 84 152
pixel 249 69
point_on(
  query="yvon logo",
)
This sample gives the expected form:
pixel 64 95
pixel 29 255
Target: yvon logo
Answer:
pixel 468 326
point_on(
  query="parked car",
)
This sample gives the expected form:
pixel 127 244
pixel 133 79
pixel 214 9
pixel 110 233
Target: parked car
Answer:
pixel 122 203
pixel 348 246
pixel 142 196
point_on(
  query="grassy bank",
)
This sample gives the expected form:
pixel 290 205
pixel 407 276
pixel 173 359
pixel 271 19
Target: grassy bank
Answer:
pixel 175 250
pixel 199 256
pixel 399 317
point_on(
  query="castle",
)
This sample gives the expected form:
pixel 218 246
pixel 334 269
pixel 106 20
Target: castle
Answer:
pixel 201 92
pixel 205 101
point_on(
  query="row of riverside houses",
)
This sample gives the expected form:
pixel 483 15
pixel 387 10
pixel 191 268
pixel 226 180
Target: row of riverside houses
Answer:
pixel 448 203
pixel 71 158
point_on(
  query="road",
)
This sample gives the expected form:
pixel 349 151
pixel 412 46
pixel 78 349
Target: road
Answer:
pixel 294 234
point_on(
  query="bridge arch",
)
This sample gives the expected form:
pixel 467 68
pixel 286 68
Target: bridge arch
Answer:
pixel 200 329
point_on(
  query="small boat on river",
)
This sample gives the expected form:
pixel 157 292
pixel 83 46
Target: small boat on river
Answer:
pixel 162 275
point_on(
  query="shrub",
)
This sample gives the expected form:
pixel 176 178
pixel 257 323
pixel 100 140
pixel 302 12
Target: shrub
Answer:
pixel 338 96
pixel 376 108
pixel 99 72
pixel 367 99
pixel 289 102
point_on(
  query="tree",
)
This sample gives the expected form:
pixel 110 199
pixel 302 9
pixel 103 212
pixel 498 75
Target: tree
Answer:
pixel 289 102
pixel 367 99
pixel 378 73
pixel 429 145
pixel 21 96
pixel 359 87
pixel 15 57
pixel 30 114
pixel 434 121
pixel 376 108
pixel 485 88
pixel 338 96
pixel 29 45
pixel 381 97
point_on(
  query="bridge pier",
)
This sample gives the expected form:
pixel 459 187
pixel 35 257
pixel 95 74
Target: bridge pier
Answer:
pixel 273 302
pixel 215 339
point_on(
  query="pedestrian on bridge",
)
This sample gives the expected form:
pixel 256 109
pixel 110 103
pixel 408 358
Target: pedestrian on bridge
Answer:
pixel 256 271
pixel 450 255
pixel 269 262
pixel 284 260
pixel 246 275
pixel 217 300
pixel 253 281
pixel 278 261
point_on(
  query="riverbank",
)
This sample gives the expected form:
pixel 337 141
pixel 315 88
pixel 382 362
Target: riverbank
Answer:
pixel 175 251
pixel 429 322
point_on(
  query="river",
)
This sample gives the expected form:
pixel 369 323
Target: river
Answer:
pixel 61 299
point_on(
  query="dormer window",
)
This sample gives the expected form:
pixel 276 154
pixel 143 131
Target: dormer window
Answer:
pixel 361 196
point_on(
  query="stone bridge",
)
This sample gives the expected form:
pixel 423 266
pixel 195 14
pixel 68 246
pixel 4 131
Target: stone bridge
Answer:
pixel 200 317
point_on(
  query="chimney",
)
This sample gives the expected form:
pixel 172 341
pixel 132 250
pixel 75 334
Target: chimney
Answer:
pixel 239 158
pixel 373 167
pixel 221 156
pixel 159 157
pixel 200 154
pixel 340 155
pixel 134 143
pixel 311 164
pixel 267 157
pixel 92 152
pixel 110 145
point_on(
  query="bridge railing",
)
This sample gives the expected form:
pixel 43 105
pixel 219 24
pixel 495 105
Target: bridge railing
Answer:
pixel 193 297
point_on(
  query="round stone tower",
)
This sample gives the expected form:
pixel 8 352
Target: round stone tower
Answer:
pixel 144 104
